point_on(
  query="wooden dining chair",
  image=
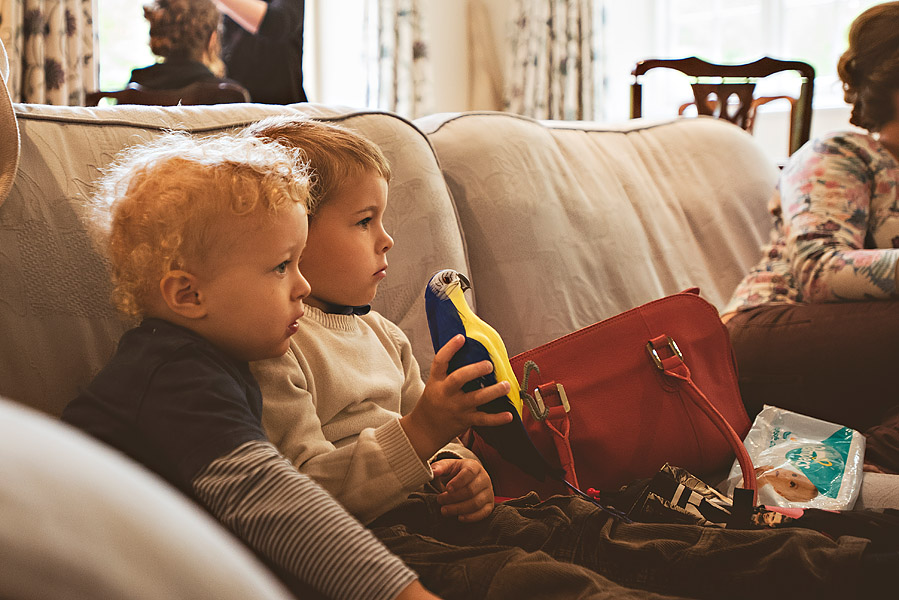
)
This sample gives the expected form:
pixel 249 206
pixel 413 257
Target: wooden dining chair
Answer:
pixel 728 91
pixel 200 92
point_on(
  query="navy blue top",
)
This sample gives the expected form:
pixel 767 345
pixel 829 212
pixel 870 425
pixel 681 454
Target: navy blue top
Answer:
pixel 175 73
pixel 171 400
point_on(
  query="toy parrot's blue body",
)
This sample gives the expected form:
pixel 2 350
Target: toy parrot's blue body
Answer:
pixel 448 315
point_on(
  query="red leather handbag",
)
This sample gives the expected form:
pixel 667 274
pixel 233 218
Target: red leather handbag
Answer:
pixel 615 401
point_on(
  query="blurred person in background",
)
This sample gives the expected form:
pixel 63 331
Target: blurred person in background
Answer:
pixel 262 48
pixel 184 34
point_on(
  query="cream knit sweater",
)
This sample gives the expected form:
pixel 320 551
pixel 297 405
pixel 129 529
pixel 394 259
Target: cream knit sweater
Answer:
pixel 332 406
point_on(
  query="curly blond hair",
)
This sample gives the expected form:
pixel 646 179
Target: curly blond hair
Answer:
pixel 332 152
pixel 869 68
pixel 157 206
pixel 183 29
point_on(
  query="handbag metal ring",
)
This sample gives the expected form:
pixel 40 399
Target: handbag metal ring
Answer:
pixel 541 405
pixel 653 353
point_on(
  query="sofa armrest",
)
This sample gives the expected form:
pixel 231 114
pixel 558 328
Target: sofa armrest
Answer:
pixel 80 521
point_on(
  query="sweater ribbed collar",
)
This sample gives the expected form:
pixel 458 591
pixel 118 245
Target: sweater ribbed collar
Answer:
pixel 342 321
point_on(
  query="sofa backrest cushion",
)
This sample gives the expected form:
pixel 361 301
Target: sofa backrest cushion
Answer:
pixel 568 223
pixel 59 327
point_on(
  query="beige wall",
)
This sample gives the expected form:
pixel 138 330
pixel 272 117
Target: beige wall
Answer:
pixel 447 30
pixel 332 66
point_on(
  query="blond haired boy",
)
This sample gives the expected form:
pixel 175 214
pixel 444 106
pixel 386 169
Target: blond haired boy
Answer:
pixel 204 238
pixel 347 406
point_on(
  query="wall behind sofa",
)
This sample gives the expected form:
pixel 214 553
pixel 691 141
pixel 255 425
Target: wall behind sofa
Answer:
pixel 446 31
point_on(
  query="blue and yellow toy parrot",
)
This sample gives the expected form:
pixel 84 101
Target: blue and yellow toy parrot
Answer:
pixel 448 315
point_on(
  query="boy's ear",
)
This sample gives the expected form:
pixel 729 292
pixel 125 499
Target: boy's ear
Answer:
pixel 181 294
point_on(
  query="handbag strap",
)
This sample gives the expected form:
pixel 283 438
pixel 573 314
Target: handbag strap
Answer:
pixel 555 420
pixel 675 367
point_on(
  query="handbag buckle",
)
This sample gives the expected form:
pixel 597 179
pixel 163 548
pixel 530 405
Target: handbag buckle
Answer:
pixel 542 412
pixel 654 354
pixel 535 403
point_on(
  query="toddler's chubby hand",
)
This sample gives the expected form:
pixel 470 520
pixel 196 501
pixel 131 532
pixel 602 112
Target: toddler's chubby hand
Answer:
pixel 444 411
pixel 468 491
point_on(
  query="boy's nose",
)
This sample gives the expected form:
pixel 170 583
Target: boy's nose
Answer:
pixel 388 242
pixel 301 287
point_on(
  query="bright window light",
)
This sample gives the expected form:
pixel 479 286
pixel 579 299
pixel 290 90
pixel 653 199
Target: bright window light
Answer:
pixel 124 41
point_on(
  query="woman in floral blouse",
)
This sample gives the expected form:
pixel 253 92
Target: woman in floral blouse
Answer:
pixel 815 325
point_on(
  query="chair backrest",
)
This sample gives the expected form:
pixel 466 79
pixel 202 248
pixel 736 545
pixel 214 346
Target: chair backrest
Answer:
pixel 728 91
pixel 199 92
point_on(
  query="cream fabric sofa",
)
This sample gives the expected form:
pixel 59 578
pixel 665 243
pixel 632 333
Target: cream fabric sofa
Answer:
pixel 558 225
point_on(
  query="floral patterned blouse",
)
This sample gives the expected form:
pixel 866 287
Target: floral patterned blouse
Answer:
pixel 836 227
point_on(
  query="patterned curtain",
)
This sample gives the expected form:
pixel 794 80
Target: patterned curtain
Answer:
pixel 51 49
pixel 398 60
pixel 552 63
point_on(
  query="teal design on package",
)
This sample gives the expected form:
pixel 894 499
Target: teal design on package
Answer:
pixel 824 463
